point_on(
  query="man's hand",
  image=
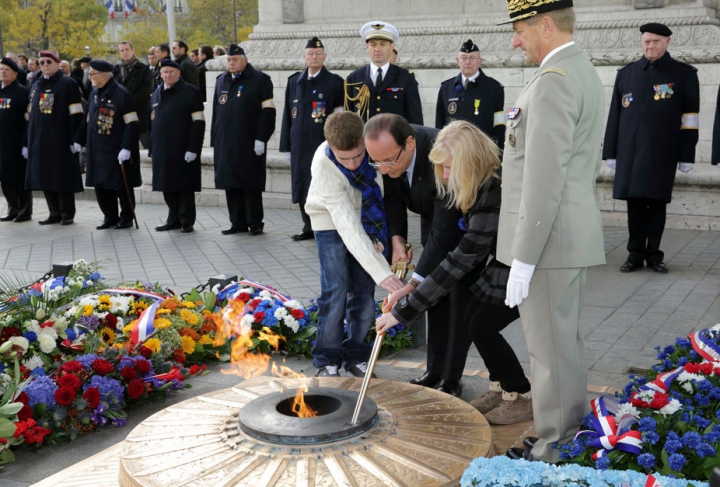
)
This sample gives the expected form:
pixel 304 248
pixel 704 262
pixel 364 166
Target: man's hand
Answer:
pixel 399 251
pixel 123 156
pixel 190 156
pixel 518 285
pixel 611 163
pixel 385 322
pixel 259 147
pixel 391 284
pixel 390 300
pixel 685 167
pixel 25 152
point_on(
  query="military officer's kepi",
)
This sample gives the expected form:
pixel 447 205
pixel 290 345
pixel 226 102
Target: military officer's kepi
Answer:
pixel 469 46
pixel 313 43
pixel 168 63
pixel 235 50
pixel 656 28
pixel 10 64
pixel 379 30
pixel 101 66
pixel 524 9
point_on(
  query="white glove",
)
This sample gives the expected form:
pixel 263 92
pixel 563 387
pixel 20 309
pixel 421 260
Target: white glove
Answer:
pixel 685 167
pixel 75 148
pixel 287 156
pixel 123 156
pixel 611 163
pixel 518 284
pixel 259 148
pixel 24 152
pixel 190 156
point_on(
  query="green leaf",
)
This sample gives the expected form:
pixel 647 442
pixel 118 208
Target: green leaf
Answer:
pixel 7 456
pixel 210 299
pixel 39 410
pixel 10 409
pixel 193 296
pixel 7 428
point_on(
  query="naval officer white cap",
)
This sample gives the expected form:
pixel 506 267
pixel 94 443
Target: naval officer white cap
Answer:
pixel 379 30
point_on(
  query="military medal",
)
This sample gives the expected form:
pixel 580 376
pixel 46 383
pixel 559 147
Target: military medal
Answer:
pixel 511 139
pixel 105 121
pixel 627 99
pixel 663 91
pixel 318 111
pixel 294 112
pixel 513 113
pixel 239 92
pixel 46 103
pixel 4 103
pixel 320 95
pixel 152 115
pixel 477 105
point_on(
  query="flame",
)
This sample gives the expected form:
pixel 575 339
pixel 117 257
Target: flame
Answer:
pixel 298 406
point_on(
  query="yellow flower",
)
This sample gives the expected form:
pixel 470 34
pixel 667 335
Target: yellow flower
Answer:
pixel 128 328
pixel 139 307
pixel 104 302
pixel 205 340
pixel 188 304
pixel 188 345
pixel 107 335
pixel 153 344
pixel 87 309
pixel 161 323
pixel 163 312
pixel 189 317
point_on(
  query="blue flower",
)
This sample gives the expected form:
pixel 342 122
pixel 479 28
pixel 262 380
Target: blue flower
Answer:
pixel 647 424
pixel 677 461
pixel 705 385
pixel 86 360
pixel 603 463
pixel 111 390
pixel 701 399
pixel 392 332
pixel 672 442
pixel 651 437
pixel 691 439
pixel 705 450
pixel 700 421
pixel 70 334
pixel 31 336
pixel 576 450
pixel 41 390
pixel 693 354
pixel 95 276
pixel 38 371
pixel 682 361
pixel 682 342
pixel 646 460
pixel 2 368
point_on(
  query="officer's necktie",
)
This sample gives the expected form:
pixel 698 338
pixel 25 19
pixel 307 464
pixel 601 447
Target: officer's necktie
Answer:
pixel 405 183
pixel 465 83
pixel 378 80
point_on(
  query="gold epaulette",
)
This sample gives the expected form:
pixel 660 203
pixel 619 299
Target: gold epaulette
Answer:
pixel 553 70
pixel 362 98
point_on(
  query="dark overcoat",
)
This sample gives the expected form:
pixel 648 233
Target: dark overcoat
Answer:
pixel 243 112
pixel 652 126
pixel 139 82
pixel 13 127
pixel 176 125
pixel 55 117
pixel 397 94
pixel 112 125
pixel 481 103
pixel 307 105
pixel 188 70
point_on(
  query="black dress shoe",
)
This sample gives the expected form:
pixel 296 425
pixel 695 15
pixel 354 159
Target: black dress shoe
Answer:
pixel 21 219
pixel 452 388
pixel 234 230
pixel 167 226
pixel 123 224
pixel 629 266
pixel 187 230
pixel 426 380
pixel 67 221
pixel 520 454
pixel 49 221
pixel 303 236
pixel 658 266
pixel 256 229
pixel 529 442
pixel 7 218
pixel 105 225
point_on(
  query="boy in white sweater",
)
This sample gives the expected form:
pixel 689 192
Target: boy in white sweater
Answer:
pixel 346 209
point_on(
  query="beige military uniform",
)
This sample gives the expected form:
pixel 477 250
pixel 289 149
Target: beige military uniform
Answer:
pixel 549 218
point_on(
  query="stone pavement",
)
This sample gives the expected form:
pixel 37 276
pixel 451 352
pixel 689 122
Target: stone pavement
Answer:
pixel 625 316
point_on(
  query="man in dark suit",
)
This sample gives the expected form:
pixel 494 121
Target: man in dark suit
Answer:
pixel 382 87
pixel 400 150
pixel 137 78
pixel 187 67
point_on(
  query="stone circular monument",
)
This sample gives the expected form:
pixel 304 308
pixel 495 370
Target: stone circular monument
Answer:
pixel 410 436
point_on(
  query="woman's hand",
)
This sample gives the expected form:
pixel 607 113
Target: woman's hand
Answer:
pixel 385 322
pixel 393 298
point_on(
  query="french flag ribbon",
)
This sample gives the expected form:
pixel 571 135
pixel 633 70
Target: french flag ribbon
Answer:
pixel 704 346
pixel 262 287
pixel 144 326
pixel 663 381
pixel 652 481
pixel 136 292
pixel 606 430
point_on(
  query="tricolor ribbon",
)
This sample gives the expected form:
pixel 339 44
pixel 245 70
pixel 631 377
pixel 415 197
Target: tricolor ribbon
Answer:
pixel 136 292
pixel 652 481
pixel 262 287
pixel 606 430
pixel 144 326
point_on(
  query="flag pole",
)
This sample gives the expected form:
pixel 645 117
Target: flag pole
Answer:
pixel 171 21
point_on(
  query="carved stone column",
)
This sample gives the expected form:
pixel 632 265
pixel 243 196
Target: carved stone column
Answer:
pixel 293 11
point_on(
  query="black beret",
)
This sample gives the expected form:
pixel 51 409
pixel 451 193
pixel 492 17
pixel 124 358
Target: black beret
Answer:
pixel 469 46
pixel 85 59
pixel 235 50
pixel 102 66
pixel 168 63
pixel 10 63
pixel 656 28
pixel 314 42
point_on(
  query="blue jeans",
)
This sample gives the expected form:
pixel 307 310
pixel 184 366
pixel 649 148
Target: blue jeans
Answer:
pixel 344 286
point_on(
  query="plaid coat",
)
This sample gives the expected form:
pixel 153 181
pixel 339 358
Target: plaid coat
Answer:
pixel 472 251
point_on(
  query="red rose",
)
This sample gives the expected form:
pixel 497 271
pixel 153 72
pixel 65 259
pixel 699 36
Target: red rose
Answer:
pixel 136 388
pixel 145 351
pixel 69 380
pixel 706 368
pixel 110 321
pixel 23 398
pixel 102 366
pixel 47 324
pixel 142 367
pixel 65 395
pixel 128 374
pixel 244 297
pixel 92 396
pixel 298 314
pixel 25 413
pixel 691 367
pixel 258 316
pixel 73 366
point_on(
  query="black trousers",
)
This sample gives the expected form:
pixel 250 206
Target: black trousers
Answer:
pixel 448 337
pixel 108 202
pixel 646 224
pixel 61 205
pixel 485 321
pixel 307 224
pixel 181 208
pixel 245 208
pixel 19 200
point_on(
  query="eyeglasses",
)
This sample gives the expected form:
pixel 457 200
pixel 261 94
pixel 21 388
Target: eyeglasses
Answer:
pixel 377 164
pixel 463 59
pixel 47 61
pixel 314 53
pixel 92 73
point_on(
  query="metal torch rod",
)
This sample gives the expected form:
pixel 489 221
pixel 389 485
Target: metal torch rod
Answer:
pixel 368 374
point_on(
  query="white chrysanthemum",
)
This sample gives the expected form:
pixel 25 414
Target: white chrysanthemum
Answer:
pixel 33 362
pixel 292 323
pixel 88 300
pixel 671 408
pixel 627 408
pixel 119 304
pixel 49 331
pixel 246 324
pixel 292 304
pixel 120 323
pixel 687 377
pixel 20 341
pixel 646 395
pixel 281 313
pixel 100 314
pixel 264 294
pixel 46 342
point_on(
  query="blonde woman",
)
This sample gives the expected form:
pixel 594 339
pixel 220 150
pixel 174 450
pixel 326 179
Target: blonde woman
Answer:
pixel 467 173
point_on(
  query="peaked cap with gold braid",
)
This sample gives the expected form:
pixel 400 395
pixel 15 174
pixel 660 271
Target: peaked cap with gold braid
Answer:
pixel 524 9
